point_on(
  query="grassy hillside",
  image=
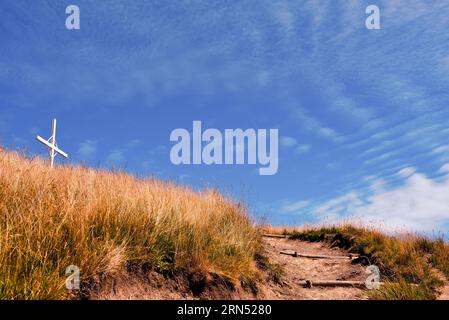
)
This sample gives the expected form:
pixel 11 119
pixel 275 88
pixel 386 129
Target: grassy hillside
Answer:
pixel 102 221
pixel 107 222
pixel 411 265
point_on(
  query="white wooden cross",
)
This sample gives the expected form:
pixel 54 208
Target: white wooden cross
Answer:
pixel 51 144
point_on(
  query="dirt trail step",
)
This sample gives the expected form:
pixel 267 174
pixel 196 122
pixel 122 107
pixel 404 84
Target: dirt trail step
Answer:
pixel 330 271
pixel 444 291
pixel 317 256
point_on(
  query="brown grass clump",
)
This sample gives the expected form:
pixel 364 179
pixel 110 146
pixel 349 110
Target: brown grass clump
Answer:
pixel 101 221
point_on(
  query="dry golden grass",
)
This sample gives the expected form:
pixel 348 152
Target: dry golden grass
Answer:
pixel 101 220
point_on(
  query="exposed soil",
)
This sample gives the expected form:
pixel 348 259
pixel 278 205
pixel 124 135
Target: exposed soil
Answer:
pixel 298 269
pixel 151 285
pixel 444 291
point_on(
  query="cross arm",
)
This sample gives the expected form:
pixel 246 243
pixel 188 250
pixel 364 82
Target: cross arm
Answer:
pixel 51 146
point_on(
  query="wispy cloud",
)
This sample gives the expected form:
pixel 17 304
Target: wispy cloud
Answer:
pixel 134 143
pixel 87 150
pixel 442 149
pixel 339 207
pixel 291 143
pixel 302 148
pixel 407 172
pixel 287 142
pixel 294 207
pixel 444 168
pixel 419 204
pixel 116 158
pixel 313 125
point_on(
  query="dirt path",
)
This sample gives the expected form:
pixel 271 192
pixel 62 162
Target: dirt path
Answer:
pixel 298 269
pixel 444 291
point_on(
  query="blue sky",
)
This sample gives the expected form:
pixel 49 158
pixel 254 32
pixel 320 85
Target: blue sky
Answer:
pixel 362 114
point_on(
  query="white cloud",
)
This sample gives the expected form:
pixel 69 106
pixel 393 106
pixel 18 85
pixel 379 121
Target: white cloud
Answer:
pixel 87 149
pixel 378 147
pixel 380 158
pixel 377 185
pixel 302 148
pixel 292 207
pixel 339 206
pixel 442 152
pixel 444 168
pixel 441 149
pixel 116 158
pixel 421 204
pixel 311 124
pixel 328 133
pixel 287 142
pixel 406 172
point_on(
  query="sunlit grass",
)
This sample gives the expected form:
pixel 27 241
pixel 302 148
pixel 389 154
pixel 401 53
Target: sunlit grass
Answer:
pixel 101 220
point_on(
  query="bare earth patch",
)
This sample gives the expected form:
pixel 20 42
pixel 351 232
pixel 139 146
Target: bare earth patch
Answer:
pixel 297 269
pixel 444 291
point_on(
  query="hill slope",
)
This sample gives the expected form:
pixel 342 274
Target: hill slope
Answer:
pixel 148 239
pixel 106 222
